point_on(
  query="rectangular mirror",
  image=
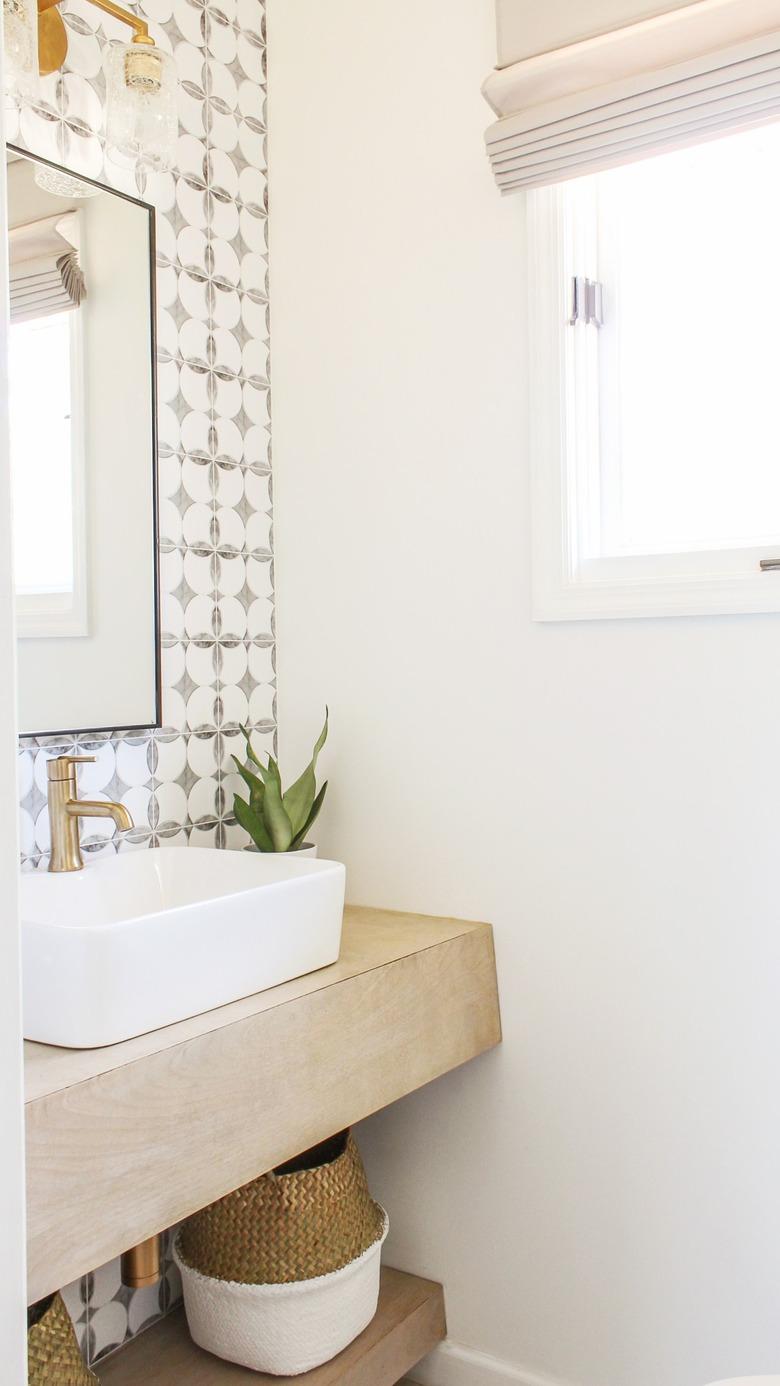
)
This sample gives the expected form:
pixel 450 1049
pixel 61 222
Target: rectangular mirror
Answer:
pixel 83 452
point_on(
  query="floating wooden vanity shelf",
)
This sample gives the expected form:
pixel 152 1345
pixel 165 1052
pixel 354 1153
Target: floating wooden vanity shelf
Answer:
pixel 409 1323
pixel 125 1141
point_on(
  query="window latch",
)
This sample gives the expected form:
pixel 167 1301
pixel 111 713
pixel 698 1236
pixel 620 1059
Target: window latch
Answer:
pixel 587 302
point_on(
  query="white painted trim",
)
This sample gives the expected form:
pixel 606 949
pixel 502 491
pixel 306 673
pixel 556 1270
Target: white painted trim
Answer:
pixel 13 1297
pixel 565 588
pixel 453 1364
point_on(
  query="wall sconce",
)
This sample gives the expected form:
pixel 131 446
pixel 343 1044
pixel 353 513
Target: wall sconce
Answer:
pixel 141 113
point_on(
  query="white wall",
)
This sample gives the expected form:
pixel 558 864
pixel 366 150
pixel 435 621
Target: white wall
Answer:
pixel 526 27
pixel 602 1196
pixel 13 1291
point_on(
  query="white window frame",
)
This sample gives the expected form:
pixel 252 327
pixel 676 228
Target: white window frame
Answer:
pixel 567 585
pixel 47 615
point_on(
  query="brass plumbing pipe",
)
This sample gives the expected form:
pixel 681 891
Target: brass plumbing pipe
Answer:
pixel 141 1264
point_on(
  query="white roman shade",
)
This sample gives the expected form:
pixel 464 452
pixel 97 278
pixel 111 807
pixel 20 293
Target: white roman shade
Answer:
pixel 45 276
pixel 674 80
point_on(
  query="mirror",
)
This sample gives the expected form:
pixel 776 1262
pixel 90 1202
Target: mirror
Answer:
pixel 83 450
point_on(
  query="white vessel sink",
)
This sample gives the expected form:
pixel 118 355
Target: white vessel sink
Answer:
pixel 147 938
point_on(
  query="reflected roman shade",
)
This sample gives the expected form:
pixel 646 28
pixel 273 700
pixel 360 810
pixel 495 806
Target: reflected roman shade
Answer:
pixel 45 275
pixel 674 80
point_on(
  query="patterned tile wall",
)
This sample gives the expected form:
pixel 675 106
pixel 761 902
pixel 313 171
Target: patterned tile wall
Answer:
pixel 214 468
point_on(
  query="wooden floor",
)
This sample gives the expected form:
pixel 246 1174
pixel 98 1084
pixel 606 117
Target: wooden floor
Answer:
pixel 408 1324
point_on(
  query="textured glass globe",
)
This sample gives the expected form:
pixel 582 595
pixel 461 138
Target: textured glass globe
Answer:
pixel 141 110
pixel 62 184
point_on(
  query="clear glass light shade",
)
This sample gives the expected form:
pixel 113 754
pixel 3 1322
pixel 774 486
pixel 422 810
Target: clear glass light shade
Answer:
pixel 20 47
pixel 141 106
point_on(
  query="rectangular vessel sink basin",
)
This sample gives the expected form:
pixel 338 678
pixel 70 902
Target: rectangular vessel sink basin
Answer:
pixel 150 937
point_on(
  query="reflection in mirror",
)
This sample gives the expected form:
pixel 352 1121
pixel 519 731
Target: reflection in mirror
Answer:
pixel 45 344
pixel 82 426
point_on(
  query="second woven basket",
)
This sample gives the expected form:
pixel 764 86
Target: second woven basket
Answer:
pixel 53 1354
pixel 282 1274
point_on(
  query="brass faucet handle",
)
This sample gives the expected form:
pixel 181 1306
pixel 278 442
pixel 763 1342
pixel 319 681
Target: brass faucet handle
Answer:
pixel 58 768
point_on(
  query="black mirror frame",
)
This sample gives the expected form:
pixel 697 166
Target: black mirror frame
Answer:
pixel 86 732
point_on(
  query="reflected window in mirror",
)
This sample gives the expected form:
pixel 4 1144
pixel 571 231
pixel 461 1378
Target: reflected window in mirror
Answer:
pixel 47 471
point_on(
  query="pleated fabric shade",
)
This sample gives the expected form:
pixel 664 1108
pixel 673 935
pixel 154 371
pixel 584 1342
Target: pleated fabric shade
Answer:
pixel 45 276
pixel 37 289
pixel 675 80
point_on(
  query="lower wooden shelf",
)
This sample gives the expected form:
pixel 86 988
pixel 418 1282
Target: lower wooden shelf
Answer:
pixel 409 1323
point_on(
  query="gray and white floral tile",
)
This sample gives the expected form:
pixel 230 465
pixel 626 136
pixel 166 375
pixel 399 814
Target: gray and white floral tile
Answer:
pixel 214 470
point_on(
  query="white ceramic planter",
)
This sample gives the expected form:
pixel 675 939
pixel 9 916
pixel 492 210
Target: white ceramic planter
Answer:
pixel 282 1329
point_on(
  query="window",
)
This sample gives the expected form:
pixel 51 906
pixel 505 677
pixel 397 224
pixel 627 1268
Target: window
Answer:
pixel 47 474
pixel 655 306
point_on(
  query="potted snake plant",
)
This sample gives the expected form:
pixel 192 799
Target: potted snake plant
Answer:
pixel 278 819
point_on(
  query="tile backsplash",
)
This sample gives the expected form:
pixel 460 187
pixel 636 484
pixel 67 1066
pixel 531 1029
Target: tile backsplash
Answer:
pixel 217 602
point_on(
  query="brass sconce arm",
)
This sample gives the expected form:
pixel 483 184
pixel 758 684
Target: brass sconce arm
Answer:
pixel 140 26
pixel 53 40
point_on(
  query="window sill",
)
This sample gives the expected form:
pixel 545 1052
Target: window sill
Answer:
pixel 583 600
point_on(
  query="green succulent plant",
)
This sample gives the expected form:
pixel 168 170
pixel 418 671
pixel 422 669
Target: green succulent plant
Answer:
pixel 278 820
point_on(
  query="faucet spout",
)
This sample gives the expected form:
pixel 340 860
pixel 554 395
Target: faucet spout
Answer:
pixel 98 808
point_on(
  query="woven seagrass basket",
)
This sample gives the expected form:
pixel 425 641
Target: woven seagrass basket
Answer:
pixel 307 1218
pixel 53 1355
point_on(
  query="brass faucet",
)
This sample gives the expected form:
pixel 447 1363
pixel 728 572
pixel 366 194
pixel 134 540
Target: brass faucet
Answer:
pixel 66 808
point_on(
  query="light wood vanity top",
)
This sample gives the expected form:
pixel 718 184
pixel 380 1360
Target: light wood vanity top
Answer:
pixel 125 1141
